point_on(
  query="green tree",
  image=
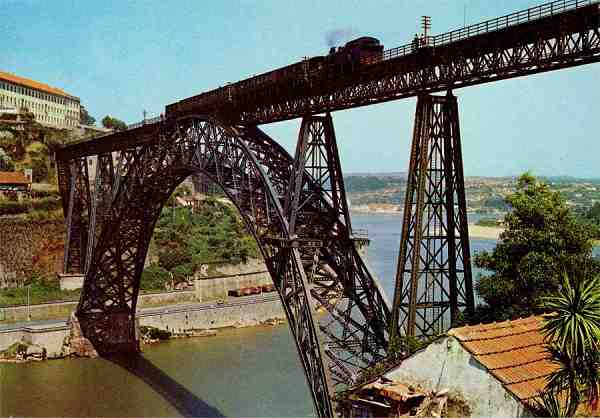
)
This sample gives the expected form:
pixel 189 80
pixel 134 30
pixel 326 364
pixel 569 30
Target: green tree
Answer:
pixel 542 239
pixel 37 160
pixel 591 217
pixel 113 123
pixel 154 277
pixel 85 118
pixel 6 163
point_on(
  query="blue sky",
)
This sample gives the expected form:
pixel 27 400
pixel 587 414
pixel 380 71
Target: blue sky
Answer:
pixel 121 57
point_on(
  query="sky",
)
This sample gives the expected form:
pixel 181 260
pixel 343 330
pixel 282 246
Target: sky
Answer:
pixel 122 57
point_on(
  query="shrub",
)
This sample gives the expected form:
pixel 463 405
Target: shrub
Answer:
pixel 154 277
pixel 41 215
pixel 15 348
pixel 155 333
pixel 46 204
pixel 40 194
pixel 13 208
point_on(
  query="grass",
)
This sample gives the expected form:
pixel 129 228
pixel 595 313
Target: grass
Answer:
pixel 14 349
pixel 40 291
pixel 488 222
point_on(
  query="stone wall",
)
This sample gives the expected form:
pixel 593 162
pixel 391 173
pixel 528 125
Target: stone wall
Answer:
pixel 63 310
pixel 247 311
pixel 71 281
pixel 28 246
pixel 49 337
pixel 224 278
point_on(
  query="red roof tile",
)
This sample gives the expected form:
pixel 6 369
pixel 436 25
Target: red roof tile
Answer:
pixel 512 351
pixel 32 84
pixel 13 177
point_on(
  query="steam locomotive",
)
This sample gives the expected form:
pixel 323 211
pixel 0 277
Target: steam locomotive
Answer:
pixel 340 62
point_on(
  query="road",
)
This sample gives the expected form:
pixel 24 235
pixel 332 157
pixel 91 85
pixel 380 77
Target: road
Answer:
pixel 234 301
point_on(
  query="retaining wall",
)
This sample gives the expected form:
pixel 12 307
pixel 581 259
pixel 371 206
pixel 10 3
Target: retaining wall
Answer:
pixel 246 311
pixel 63 309
pixel 50 337
pixel 234 313
pixel 28 246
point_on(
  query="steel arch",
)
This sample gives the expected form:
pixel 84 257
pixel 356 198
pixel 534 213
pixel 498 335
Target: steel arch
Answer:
pixel 254 172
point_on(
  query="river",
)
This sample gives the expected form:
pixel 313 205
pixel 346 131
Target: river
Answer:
pixel 250 372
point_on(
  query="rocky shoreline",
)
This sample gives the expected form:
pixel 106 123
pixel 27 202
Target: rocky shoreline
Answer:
pixel 76 346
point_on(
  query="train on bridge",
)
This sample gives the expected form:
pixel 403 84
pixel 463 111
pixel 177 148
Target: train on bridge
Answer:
pixel 354 56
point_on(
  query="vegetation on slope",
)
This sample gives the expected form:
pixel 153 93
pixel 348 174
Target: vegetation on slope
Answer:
pixel 41 289
pixel 185 240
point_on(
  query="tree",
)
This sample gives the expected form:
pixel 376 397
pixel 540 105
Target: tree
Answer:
pixel 572 333
pixel 593 213
pixel 113 123
pixel 6 163
pixel 542 239
pixel 37 160
pixel 85 118
pixel 591 217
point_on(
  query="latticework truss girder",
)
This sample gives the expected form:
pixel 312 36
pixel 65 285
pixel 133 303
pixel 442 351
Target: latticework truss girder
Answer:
pixel 433 278
pixel 320 224
pixel 75 191
pixel 560 41
pixel 255 173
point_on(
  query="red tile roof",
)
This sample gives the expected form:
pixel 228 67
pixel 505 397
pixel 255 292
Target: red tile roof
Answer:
pixel 13 177
pixel 512 351
pixel 32 84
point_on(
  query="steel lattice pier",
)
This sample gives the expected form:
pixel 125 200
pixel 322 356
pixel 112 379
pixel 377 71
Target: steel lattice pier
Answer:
pixel 433 278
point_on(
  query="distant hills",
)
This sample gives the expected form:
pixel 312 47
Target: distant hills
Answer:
pixel 404 175
pixel 394 175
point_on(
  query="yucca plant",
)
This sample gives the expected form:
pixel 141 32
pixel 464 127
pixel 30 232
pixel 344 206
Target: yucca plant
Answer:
pixel 572 333
pixel 574 324
pixel 548 404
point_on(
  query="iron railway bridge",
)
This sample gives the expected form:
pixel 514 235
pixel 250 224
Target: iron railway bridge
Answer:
pixel 295 206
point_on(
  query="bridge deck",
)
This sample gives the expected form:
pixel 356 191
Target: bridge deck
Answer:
pixel 560 34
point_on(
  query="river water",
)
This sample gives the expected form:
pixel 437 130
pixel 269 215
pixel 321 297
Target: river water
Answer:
pixel 250 372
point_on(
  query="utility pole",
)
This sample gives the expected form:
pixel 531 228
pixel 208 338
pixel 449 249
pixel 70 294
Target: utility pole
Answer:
pixel 425 25
pixel 28 303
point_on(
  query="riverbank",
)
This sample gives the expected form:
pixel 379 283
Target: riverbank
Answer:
pixel 485 232
pixel 186 319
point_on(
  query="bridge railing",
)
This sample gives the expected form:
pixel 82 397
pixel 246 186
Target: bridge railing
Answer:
pixel 513 19
pixel 145 122
pixel 492 25
pixel 135 125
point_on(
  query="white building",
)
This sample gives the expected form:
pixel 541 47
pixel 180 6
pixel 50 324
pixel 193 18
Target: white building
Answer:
pixel 51 106
pixel 498 368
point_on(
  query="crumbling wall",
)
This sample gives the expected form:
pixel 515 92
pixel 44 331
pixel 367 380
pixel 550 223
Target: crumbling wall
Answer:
pixel 445 364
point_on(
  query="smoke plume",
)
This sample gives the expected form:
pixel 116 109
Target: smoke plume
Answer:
pixel 337 36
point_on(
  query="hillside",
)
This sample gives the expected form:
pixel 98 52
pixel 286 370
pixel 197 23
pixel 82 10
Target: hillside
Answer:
pixel 184 241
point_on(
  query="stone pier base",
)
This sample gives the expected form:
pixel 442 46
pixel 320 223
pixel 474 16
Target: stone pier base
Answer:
pixel 111 332
pixel 79 345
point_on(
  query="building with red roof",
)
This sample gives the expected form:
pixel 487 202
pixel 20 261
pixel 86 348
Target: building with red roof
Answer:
pixel 50 106
pixel 497 369
pixel 14 182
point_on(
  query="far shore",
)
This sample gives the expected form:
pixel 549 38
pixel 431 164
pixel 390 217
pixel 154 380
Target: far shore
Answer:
pixel 486 232
pixel 475 231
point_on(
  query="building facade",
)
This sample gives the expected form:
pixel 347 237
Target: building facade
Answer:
pixel 51 106
pixel 498 369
